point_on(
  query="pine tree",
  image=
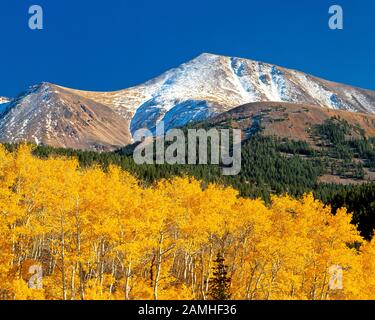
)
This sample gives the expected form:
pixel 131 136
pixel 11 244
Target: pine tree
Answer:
pixel 220 283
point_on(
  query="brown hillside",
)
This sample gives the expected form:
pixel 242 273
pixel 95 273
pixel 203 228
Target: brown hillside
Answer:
pixel 286 120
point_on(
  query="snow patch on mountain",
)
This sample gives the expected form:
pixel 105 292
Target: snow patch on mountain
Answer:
pixel 196 90
pixel 188 111
pixel 221 83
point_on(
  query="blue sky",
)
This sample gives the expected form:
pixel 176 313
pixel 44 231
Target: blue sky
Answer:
pixel 114 44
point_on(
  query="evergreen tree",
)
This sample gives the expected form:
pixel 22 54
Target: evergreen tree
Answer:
pixel 220 283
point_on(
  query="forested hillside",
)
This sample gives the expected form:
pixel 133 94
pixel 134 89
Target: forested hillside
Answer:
pixel 102 227
pixel 106 235
pixel 272 165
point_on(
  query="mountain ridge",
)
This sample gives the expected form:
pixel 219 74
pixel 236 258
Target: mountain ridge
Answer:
pixel 56 117
pixel 199 89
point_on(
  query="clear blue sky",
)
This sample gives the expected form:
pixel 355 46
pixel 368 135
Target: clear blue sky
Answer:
pixel 113 44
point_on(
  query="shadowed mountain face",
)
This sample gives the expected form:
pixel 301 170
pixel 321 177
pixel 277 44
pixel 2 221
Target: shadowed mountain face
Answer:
pixel 4 103
pixel 197 90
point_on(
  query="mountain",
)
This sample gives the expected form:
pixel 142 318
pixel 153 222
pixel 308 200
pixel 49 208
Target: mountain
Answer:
pixel 197 90
pixel 51 115
pixel 211 84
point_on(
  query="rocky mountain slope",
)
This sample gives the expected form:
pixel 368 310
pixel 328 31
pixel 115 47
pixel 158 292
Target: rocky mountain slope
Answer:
pixel 51 115
pixel 197 90
pixel 287 120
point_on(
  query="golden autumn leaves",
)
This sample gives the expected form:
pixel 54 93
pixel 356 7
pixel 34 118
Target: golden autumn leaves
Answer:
pixel 103 235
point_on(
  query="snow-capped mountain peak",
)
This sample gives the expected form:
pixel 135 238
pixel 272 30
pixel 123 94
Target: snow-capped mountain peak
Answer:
pixel 211 84
pixel 196 90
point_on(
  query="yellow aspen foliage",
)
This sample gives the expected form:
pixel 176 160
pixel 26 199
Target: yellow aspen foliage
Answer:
pixel 101 234
pixel 360 282
pixel 20 291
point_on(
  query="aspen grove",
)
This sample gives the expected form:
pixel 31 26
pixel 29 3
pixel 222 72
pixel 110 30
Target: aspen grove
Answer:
pixel 102 234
